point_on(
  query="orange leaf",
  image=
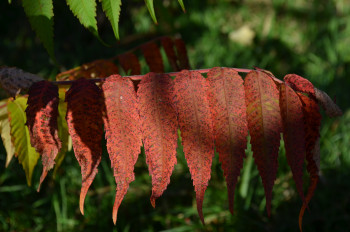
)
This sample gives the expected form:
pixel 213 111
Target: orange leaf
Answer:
pixel 84 118
pixel 153 57
pixel 123 133
pixel 264 123
pixel 42 113
pixel 227 104
pixel 192 105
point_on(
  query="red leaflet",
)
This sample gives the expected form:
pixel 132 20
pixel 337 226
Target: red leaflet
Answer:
pixel 84 118
pixel 192 105
pixel 312 131
pixel 182 54
pixel 159 128
pixel 300 84
pixel 123 133
pixel 153 57
pixel 293 133
pixel 168 46
pixel 42 112
pixel 227 104
pixel 129 61
pixel 264 123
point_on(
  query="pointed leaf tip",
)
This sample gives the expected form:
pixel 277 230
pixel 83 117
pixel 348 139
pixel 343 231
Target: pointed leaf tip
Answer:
pixel 150 7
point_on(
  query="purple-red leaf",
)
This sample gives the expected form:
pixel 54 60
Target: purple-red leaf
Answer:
pixel 293 133
pixel 42 112
pixel 227 104
pixel 182 54
pixel 129 61
pixel 168 45
pixel 194 118
pixel 123 133
pixel 264 123
pixel 312 132
pixel 300 84
pixel 153 57
pixel 159 129
pixel 84 118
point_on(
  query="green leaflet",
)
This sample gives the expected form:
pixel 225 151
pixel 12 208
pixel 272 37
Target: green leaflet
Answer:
pixel 40 15
pixel 62 130
pixel 149 4
pixel 24 151
pixel 182 5
pixel 5 131
pixel 112 11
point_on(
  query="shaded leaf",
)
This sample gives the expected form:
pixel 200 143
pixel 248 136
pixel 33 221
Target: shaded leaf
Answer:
pixel 329 106
pixel 159 129
pixel 150 7
pixel 42 112
pixel 182 5
pixel 112 11
pixel 312 131
pixel 293 133
pixel 130 62
pixel 192 104
pixel 26 154
pixel 182 54
pixel 264 123
pixel 40 15
pixel 5 132
pixel 227 104
pixel 153 57
pixel 84 118
pixel 168 45
pixel 123 133
pixel 13 80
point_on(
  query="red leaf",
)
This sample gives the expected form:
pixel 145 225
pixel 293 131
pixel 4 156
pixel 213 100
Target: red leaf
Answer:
pixel 159 127
pixel 182 54
pixel 122 133
pixel 227 104
pixel 129 61
pixel 168 45
pixel 192 105
pixel 42 113
pixel 300 84
pixel 264 123
pixel 84 118
pixel 312 131
pixel 153 57
pixel 293 133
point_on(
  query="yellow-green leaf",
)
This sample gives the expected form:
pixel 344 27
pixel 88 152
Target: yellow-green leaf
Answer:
pixel 26 154
pixel 112 10
pixel 182 5
pixel 5 131
pixel 149 4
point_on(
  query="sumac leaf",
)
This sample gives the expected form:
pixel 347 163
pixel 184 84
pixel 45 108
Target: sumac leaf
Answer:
pixel 168 45
pixel 84 118
pixel 194 118
pixel 293 133
pixel 130 62
pixel 159 129
pixel 42 113
pixel 300 84
pixel 123 133
pixel 227 104
pixel 182 54
pixel 264 123
pixel 5 132
pixel 329 106
pixel 153 57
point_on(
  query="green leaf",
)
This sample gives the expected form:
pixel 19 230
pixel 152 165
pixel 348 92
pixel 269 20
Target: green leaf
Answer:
pixel 182 5
pixel 5 131
pixel 24 151
pixel 149 4
pixel 112 10
pixel 62 130
pixel 40 15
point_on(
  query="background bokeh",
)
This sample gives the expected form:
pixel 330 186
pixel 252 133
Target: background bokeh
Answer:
pixel 307 37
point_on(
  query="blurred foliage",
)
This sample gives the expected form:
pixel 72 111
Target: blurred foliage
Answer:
pixel 307 37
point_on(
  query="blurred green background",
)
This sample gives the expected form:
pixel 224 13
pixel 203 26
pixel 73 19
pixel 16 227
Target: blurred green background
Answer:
pixel 307 37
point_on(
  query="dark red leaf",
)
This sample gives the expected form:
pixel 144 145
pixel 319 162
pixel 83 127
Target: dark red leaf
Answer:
pixel 194 118
pixel 182 54
pixel 153 57
pixel 227 104
pixel 168 45
pixel 129 61
pixel 300 84
pixel 84 118
pixel 42 113
pixel 159 128
pixel 293 133
pixel 264 123
pixel 123 133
